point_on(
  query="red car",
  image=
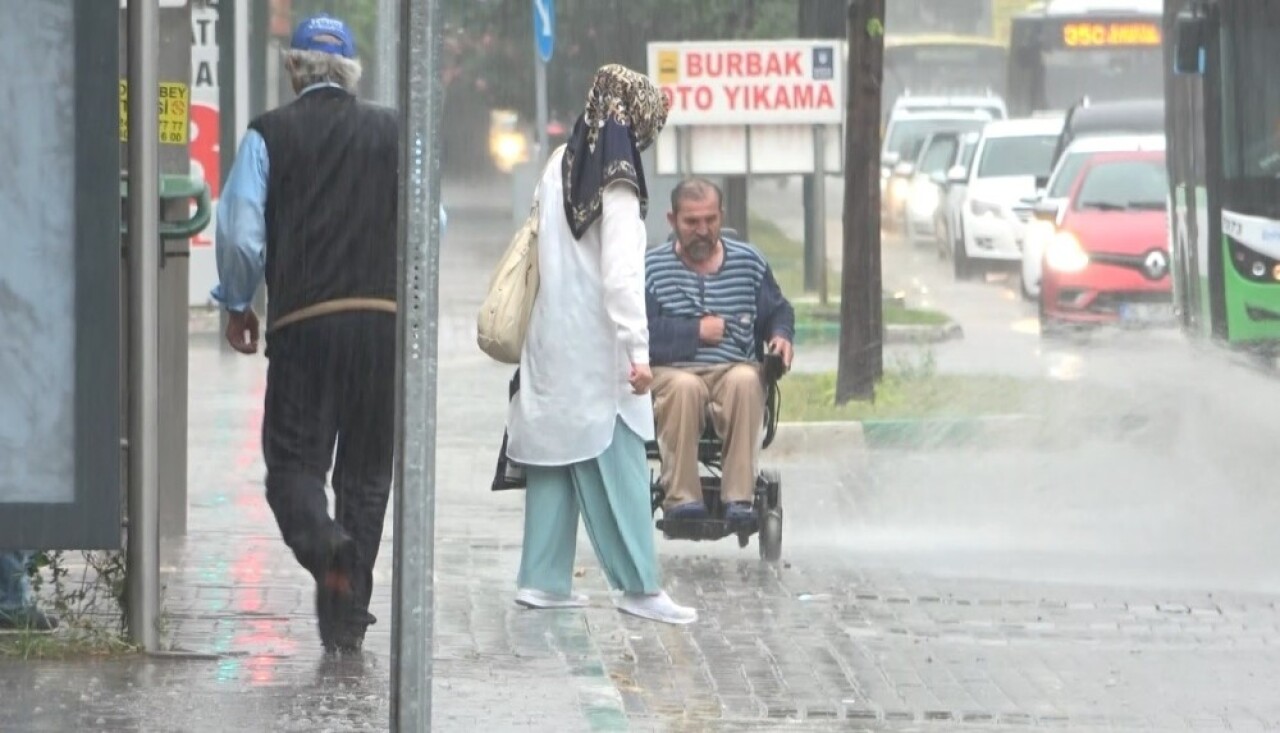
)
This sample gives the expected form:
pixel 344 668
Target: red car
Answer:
pixel 1108 259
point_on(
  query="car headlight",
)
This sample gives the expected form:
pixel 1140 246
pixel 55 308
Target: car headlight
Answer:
pixel 983 208
pixel 924 199
pixel 1064 253
pixel 898 189
pixel 511 146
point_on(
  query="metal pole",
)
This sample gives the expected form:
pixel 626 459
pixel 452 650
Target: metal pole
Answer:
pixel 810 246
pixel 387 59
pixel 225 36
pixel 540 87
pixel 259 23
pixel 818 205
pixel 144 263
pixel 413 587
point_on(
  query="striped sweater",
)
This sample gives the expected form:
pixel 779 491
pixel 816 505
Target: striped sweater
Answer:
pixel 743 292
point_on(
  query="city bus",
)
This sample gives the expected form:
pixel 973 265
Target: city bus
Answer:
pixel 942 48
pixel 1223 132
pixel 1063 51
pixel 981 18
pixel 941 66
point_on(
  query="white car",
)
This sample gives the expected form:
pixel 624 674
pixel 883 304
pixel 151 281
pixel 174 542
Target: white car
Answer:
pixel 902 140
pixel 1010 155
pixel 954 183
pixel 1055 193
pixel 928 188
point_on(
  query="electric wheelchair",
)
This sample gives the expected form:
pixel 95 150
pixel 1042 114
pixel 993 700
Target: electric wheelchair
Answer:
pixel 768 491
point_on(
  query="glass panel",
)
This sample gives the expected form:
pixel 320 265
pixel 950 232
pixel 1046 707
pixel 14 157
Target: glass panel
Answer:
pixel 938 155
pixel 1017 156
pixel 907 135
pixel 1067 173
pixel 1127 184
pixel 1251 108
pixel 1102 75
pixel 942 69
pixel 966 154
pixel 37 282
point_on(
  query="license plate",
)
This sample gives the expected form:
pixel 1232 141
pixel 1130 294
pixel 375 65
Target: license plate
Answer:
pixel 1146 312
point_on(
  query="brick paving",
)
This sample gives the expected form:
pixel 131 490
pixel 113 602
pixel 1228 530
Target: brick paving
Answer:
pixel 827 640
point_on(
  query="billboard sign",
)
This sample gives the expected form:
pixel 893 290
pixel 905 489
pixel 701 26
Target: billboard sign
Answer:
pixel 786 82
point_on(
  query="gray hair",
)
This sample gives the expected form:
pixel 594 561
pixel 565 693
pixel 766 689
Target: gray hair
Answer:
pixel 695 189
pixel 318 67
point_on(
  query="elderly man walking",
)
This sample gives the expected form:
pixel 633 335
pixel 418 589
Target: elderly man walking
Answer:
pixel 310 204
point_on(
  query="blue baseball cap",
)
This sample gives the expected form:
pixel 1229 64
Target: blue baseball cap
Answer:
pixel 325 33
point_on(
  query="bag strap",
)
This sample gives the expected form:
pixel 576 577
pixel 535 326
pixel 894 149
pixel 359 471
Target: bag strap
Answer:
pixel 537 189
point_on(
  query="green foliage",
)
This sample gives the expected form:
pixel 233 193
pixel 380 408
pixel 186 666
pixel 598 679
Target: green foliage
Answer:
pixel 489 44
pixel 88 597
pixel 894 313
pixel 910 390
pixel 785 255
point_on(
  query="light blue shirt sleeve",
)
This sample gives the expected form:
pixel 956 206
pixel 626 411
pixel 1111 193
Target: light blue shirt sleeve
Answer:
pixel 241 243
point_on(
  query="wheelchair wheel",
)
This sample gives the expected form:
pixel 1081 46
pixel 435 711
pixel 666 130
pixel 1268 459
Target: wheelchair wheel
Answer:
pixel 770 538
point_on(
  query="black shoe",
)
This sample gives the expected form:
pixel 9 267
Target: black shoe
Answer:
pixel 27 619
pixel 335 596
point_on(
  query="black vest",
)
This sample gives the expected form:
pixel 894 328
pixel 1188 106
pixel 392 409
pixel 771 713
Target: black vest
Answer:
pixel 332 188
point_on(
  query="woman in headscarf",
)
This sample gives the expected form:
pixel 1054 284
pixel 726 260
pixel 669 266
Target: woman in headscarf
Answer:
pixel 579 422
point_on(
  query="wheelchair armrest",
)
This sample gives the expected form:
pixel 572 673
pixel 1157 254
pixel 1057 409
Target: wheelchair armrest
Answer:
pixel 773 368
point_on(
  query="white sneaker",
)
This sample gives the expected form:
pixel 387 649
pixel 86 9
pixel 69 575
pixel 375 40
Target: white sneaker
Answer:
pixel 533 598
pixel 656 607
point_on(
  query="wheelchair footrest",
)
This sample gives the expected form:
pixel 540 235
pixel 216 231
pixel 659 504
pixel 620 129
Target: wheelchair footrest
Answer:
pixel 704 529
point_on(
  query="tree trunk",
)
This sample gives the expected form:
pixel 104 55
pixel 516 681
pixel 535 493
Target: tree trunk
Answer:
pixel 861 360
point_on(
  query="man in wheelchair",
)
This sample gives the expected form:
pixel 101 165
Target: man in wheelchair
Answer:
pixel 715 310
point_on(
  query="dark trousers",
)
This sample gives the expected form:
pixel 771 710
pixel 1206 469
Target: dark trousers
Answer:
pixel 331 381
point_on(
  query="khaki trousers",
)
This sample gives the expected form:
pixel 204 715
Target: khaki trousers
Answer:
pixel 683 397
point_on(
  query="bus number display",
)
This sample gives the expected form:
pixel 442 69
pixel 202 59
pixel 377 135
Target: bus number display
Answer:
pixel 1093 35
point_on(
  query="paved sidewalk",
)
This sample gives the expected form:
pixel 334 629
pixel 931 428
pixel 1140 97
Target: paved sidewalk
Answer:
pixel 840 636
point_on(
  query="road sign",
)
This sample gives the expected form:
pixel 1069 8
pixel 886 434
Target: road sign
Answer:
pixel 750 82
pixel 544 28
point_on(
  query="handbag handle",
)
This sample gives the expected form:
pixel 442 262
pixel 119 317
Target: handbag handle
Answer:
pixel 537 189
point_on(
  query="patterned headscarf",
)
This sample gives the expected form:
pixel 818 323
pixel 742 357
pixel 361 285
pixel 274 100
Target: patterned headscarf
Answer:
pixel 624 114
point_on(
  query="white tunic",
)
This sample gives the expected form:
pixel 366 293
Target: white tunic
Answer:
pixel 587 327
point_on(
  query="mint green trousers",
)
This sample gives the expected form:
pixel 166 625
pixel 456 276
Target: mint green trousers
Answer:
pixel 612 493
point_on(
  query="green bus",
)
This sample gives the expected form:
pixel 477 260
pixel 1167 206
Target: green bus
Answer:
pixel 1223 133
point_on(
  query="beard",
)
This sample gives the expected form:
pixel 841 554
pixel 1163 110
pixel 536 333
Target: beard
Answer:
pixel 700 249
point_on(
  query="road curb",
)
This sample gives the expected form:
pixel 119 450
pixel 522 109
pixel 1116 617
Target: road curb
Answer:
pixel 954 432
pixel 852 440
pixel 829 333
pixel 806 439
